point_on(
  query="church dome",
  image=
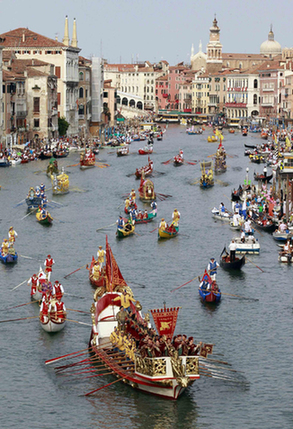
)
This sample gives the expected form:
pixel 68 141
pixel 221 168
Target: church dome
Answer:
pixel 270 47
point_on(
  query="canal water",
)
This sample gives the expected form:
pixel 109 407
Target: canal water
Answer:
pixel 255 337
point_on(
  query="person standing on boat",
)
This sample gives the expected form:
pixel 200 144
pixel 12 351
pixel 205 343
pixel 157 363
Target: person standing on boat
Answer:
pixel 120 222
pixel 58 290
pixel 232 248
pixel 127 203
pixel 265 171
pixel 163 224
pixel 175 217
pixel 133 195
pixel 49 262
pixel 5 247
pixel 212 268
pixel 154 207
pixel 101 255
pixel 11 236
pixel 125 300
pixel 34 281
pixel 44 309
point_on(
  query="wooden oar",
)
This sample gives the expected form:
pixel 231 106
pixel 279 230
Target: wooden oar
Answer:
pixel 191 163
pixel 100 388
pixel 29 257
pixel 75 296
pixel 73 165
pixel 20 284
pixel 20 305
pixel 18 204
pixel 80 323
pixel 138 284
pixel 239 296
pixel 254 264
pixel 21 318
pixel 79 311
pixel 48 362
pixel 112 224
pixel 29 213
pixel 167 162
pixel 184 284
pixel 74 271
pixel 159 227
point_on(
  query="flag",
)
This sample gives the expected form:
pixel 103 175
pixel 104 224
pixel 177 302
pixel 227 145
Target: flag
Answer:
pixel 209 348
pixel 165 320
pixel 206 277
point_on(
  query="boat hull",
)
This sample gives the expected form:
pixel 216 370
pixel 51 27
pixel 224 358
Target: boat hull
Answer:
pixel 33 203
pixel 8 259
pixel 234 265
pixel 122 233
pixel 210 296
pixel 53 326
pixel 163 233
pixel 47 220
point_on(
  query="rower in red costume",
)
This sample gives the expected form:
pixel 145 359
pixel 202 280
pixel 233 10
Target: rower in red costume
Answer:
pixel 61 310
pixel 44 309
pixel 49 262
pixel 58 290
pixel 34 281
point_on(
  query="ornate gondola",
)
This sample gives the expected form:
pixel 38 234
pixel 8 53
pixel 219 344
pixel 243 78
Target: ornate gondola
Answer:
pixel 262 177
pixel 44 219
pixel 147 169
pixel 250 146
pixel 168 232
pixel 32 201
pixel 97 276
pixel 207 177
pixel 126 230
pixel 87 160
pixel 60 184
pixel 208 290
pixel 10 257
pixel 267 225
pixel 147 150
pixel 146 190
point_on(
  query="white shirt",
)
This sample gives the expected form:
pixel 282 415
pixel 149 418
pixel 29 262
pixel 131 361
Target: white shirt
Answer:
pixel 232 246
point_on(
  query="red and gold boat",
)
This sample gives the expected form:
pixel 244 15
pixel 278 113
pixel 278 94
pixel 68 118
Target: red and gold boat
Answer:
pixel 97 277
pixel 146 189
pixel 147 169
pixel 87 160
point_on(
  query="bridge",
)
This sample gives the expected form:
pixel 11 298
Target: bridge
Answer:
pixel 129 105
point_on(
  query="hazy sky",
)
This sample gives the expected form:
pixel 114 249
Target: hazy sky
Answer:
pixel 153 29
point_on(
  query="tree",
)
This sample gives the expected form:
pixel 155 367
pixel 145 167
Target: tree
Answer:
pixel 63 126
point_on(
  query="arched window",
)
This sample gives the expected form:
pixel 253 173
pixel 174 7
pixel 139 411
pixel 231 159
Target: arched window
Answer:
pixel 132 103
pixel 124 101
pixel 148 89
pixel 139 105
pixel 81 92
pixel 121 88
pixel 81 75
pixel 118 99
pixel 240 65
pixel 255 83
pixel 81 109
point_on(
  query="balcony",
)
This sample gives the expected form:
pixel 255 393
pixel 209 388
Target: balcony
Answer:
pixel 268 89
pixel 212 104
pixel 21 114
pixel 267 104
pixel 236 105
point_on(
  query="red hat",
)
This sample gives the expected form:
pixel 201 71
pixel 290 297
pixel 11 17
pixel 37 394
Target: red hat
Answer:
pixel 56 281
pixel 49 256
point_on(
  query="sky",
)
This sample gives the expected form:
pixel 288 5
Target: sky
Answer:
pixel 153 30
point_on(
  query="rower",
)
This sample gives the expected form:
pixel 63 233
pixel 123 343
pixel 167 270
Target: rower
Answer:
pixel 49 262
pixel 127 202
pixel 58 290
pixel 61 310
pixel 139 216
pixel 34 281
pixel 145 215
pixel 222 208
pixel 5 247
pixel 163 224
pixel 133 195
pixel 212 268
pixel 101 255
pixel 120 222
pixel 232 248
pixel 175 217
pixel 11 236
pixel 154 207
pixel 44 309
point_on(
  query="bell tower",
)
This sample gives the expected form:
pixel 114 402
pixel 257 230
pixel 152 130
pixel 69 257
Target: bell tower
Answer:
pixel 214 49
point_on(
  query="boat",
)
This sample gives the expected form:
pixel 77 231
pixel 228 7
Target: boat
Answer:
pixel 146 189
pixel 126 230
pixel 227 264
pixel 249 146
pixel 281 236
pixel 52 168
pixel 262 177
pixel 212 139
pixel 147 169
pixel 285 257
pixel 52 324
pixel 32 201
pixel 4 162
pixel 60 153
pixel 44 219
pixel 10 257
pixel 244 132
pixel 257 159
pixel 220 159
pixel 15 161
pixel 207 177
pixel 178 160
pixel 147 150
pixel 250 244
pixel 231 131
pixel 60 184
pixel 150 217
pixel 97 277
pixel 264 135
pixel 208 290
pixel 266 225
pixel 87 160
pixel 123 150
pixel 219 215
pixel 236 227
pixel 162 376
pixel 45 154
pixel 169 232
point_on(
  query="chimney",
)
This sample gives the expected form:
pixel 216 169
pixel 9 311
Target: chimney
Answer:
pixel 74 35
pixel 66 32
pixel 23 37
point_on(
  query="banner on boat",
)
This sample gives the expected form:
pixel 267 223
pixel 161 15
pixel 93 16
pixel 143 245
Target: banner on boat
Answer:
pixel 165 320
pixel 206 350
pixel 113 273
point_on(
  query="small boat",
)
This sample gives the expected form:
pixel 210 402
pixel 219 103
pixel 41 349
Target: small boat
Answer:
pixel 264 135
pixel 4 162
pixel 15 161
pixel 178 160
pixel 227 264
pixel 286 258
pixel 207 176
pixel 10 257
pixel 60 184
pixel 97 277
pixel 262 177
pixel 281 236
pixel 60 153
pixel 235 227
pixel 53 325
pixel 146 189
pixel 130 207
pixel 45 154
pixel 265 225
pixel 87 160
pixel 219 215
pixel 150 217
pixel 122 150
pixel 147 169
pixel 249 245
pixel 231 131
pixel 249 146
pixel 32 201
pixel 44 219
pixel 208 290
pixel 126 230
pixel 146 151
pixel 212 139
pixel 257 159
pixel 244 132
pixel 169 232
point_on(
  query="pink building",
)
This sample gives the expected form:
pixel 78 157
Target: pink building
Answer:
pixel 162 92
pixel 272 80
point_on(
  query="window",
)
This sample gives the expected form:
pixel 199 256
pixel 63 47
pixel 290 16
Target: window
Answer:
pixel 59 98
pixel 81 110
pixel 81 92
pixel 58 71
pixel 105 94
pixel 36 104
pixel 80 75
pixel 36 123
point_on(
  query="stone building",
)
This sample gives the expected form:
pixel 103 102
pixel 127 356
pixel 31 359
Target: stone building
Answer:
pixel 84 95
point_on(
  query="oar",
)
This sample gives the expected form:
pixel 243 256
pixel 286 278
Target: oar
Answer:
pixel 75 296
pixel 73 165
pixel 57 203
pixel 74 271
pixel 109 384
pixel 80 323
pixel 167 162
pixel 79 311
pixel 16 320
pixel 138 284
pixel 120 205
pixel 239 296
pixel 191 163
pixel 29 257
pixel 254 264
pixel 112 224
pixel 48 362
pixel 29 213
pixel 18 204
pixel 20 305
pixel 158 227
pixel 20 284
pixel 184 284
